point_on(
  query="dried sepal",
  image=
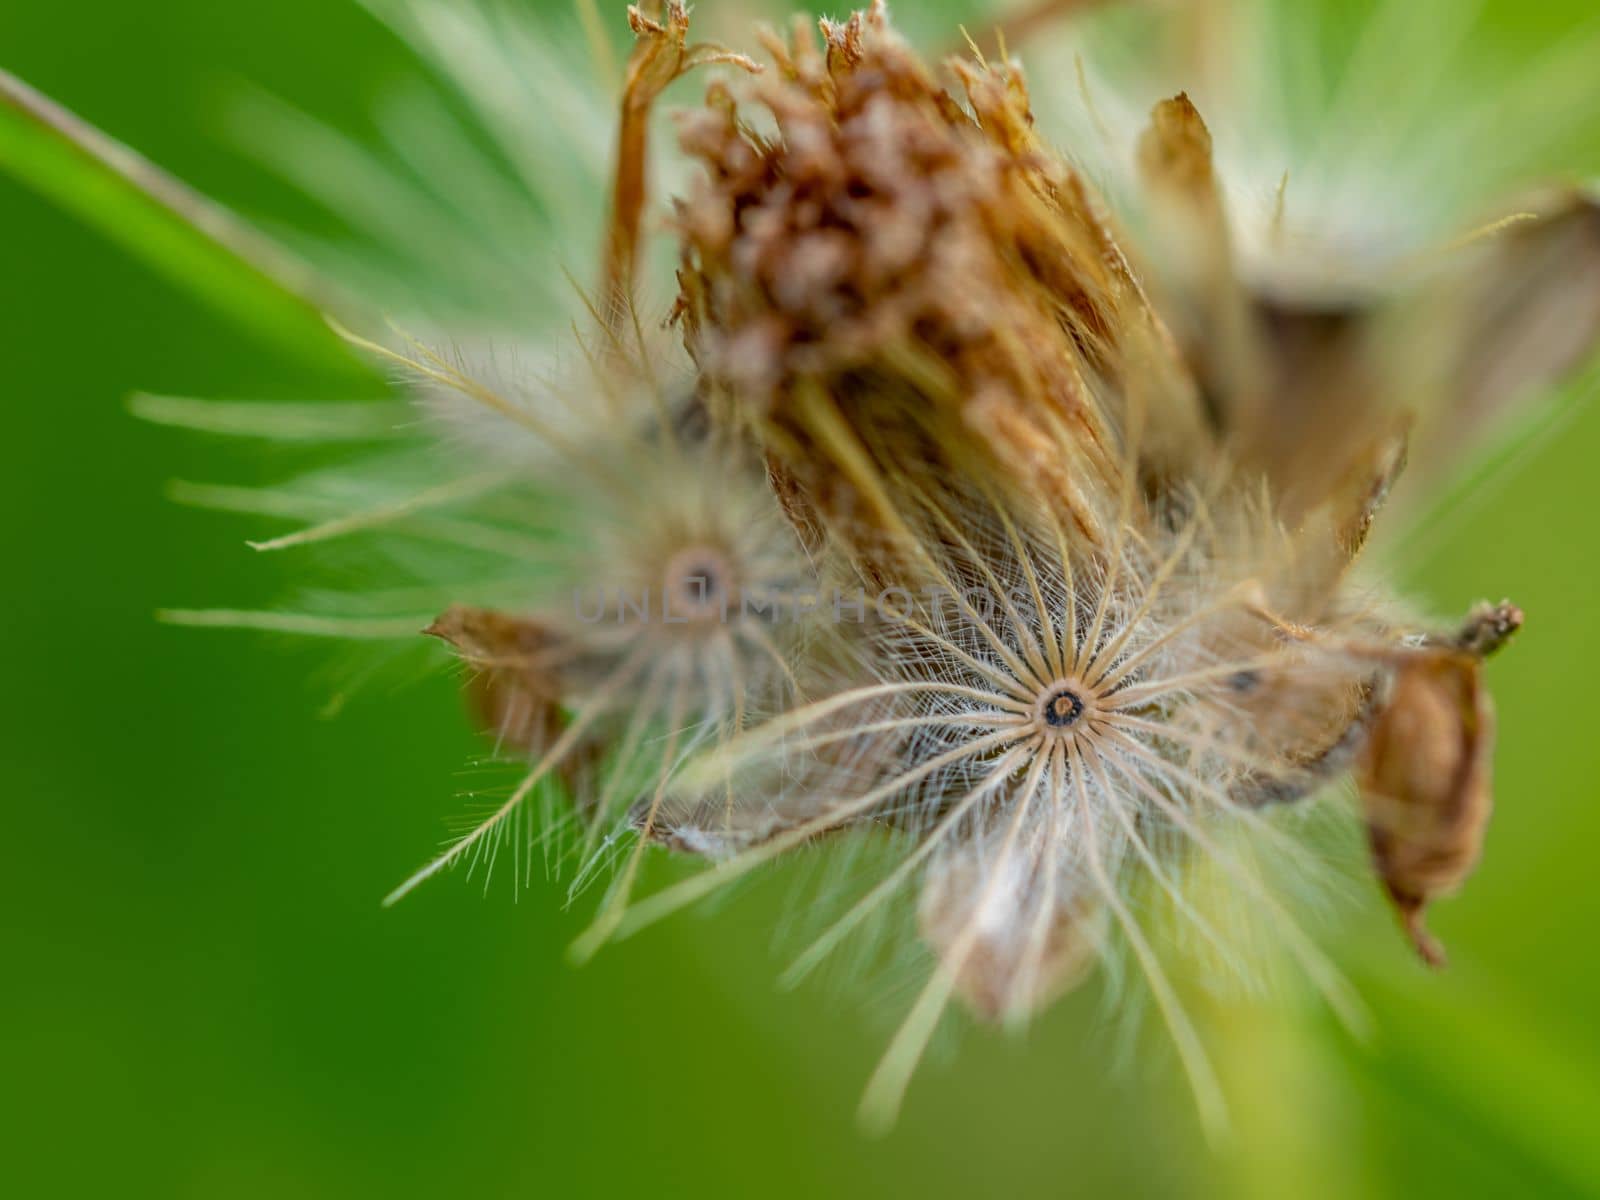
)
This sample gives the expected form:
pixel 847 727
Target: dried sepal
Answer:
pixel 1337 510
pixel 719 827
pixel 1508 317
pixel 514 691
pixel 1488 628
pixel 1425 775
pixel 778 784
pixel 1197 259
pixel 661 55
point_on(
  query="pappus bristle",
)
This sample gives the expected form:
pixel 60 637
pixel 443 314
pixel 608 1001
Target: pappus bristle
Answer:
pixel 1342 157
pixel 1060 717
pixel 663 608
pixel 454 218
pixel 617 576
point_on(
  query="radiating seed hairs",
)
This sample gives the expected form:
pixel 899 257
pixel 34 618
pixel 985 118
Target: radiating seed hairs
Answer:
pixel 453 217
pixel 663 609
pixel 616 576
pixel 1065 719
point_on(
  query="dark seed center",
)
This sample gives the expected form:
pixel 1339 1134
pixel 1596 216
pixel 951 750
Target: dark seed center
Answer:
pixel 701 582
pixel 1062 709
pixel 698 585
pixel 1244 681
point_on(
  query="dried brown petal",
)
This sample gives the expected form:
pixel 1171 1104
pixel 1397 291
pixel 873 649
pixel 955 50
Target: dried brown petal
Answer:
pixel 1223 344
pixel 661 55
pixel 1512 317
pixel 717 832
pixel 1425 781
pixel 514 692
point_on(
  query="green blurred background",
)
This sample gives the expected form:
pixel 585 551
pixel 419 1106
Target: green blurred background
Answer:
pixel 199 994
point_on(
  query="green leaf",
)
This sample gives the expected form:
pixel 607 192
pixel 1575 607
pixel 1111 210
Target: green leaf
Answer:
pixel 195 243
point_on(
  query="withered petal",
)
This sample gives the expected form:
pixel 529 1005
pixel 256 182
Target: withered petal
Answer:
pixel 515 692
pixel 1425 779
pixel 1518 315
pixel 1212 309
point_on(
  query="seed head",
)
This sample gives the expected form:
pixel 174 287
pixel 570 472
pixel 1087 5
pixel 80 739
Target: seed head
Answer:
pixel 1098 464
pixel 1138 622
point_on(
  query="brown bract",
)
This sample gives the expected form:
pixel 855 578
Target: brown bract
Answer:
pixel 1425 772
pixel 661 55
pixel 514 691
pixel 1425 780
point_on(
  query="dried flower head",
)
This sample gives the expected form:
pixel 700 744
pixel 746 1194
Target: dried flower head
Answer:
pixel 1137 614
pixel 923 271
pixel 1011 510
